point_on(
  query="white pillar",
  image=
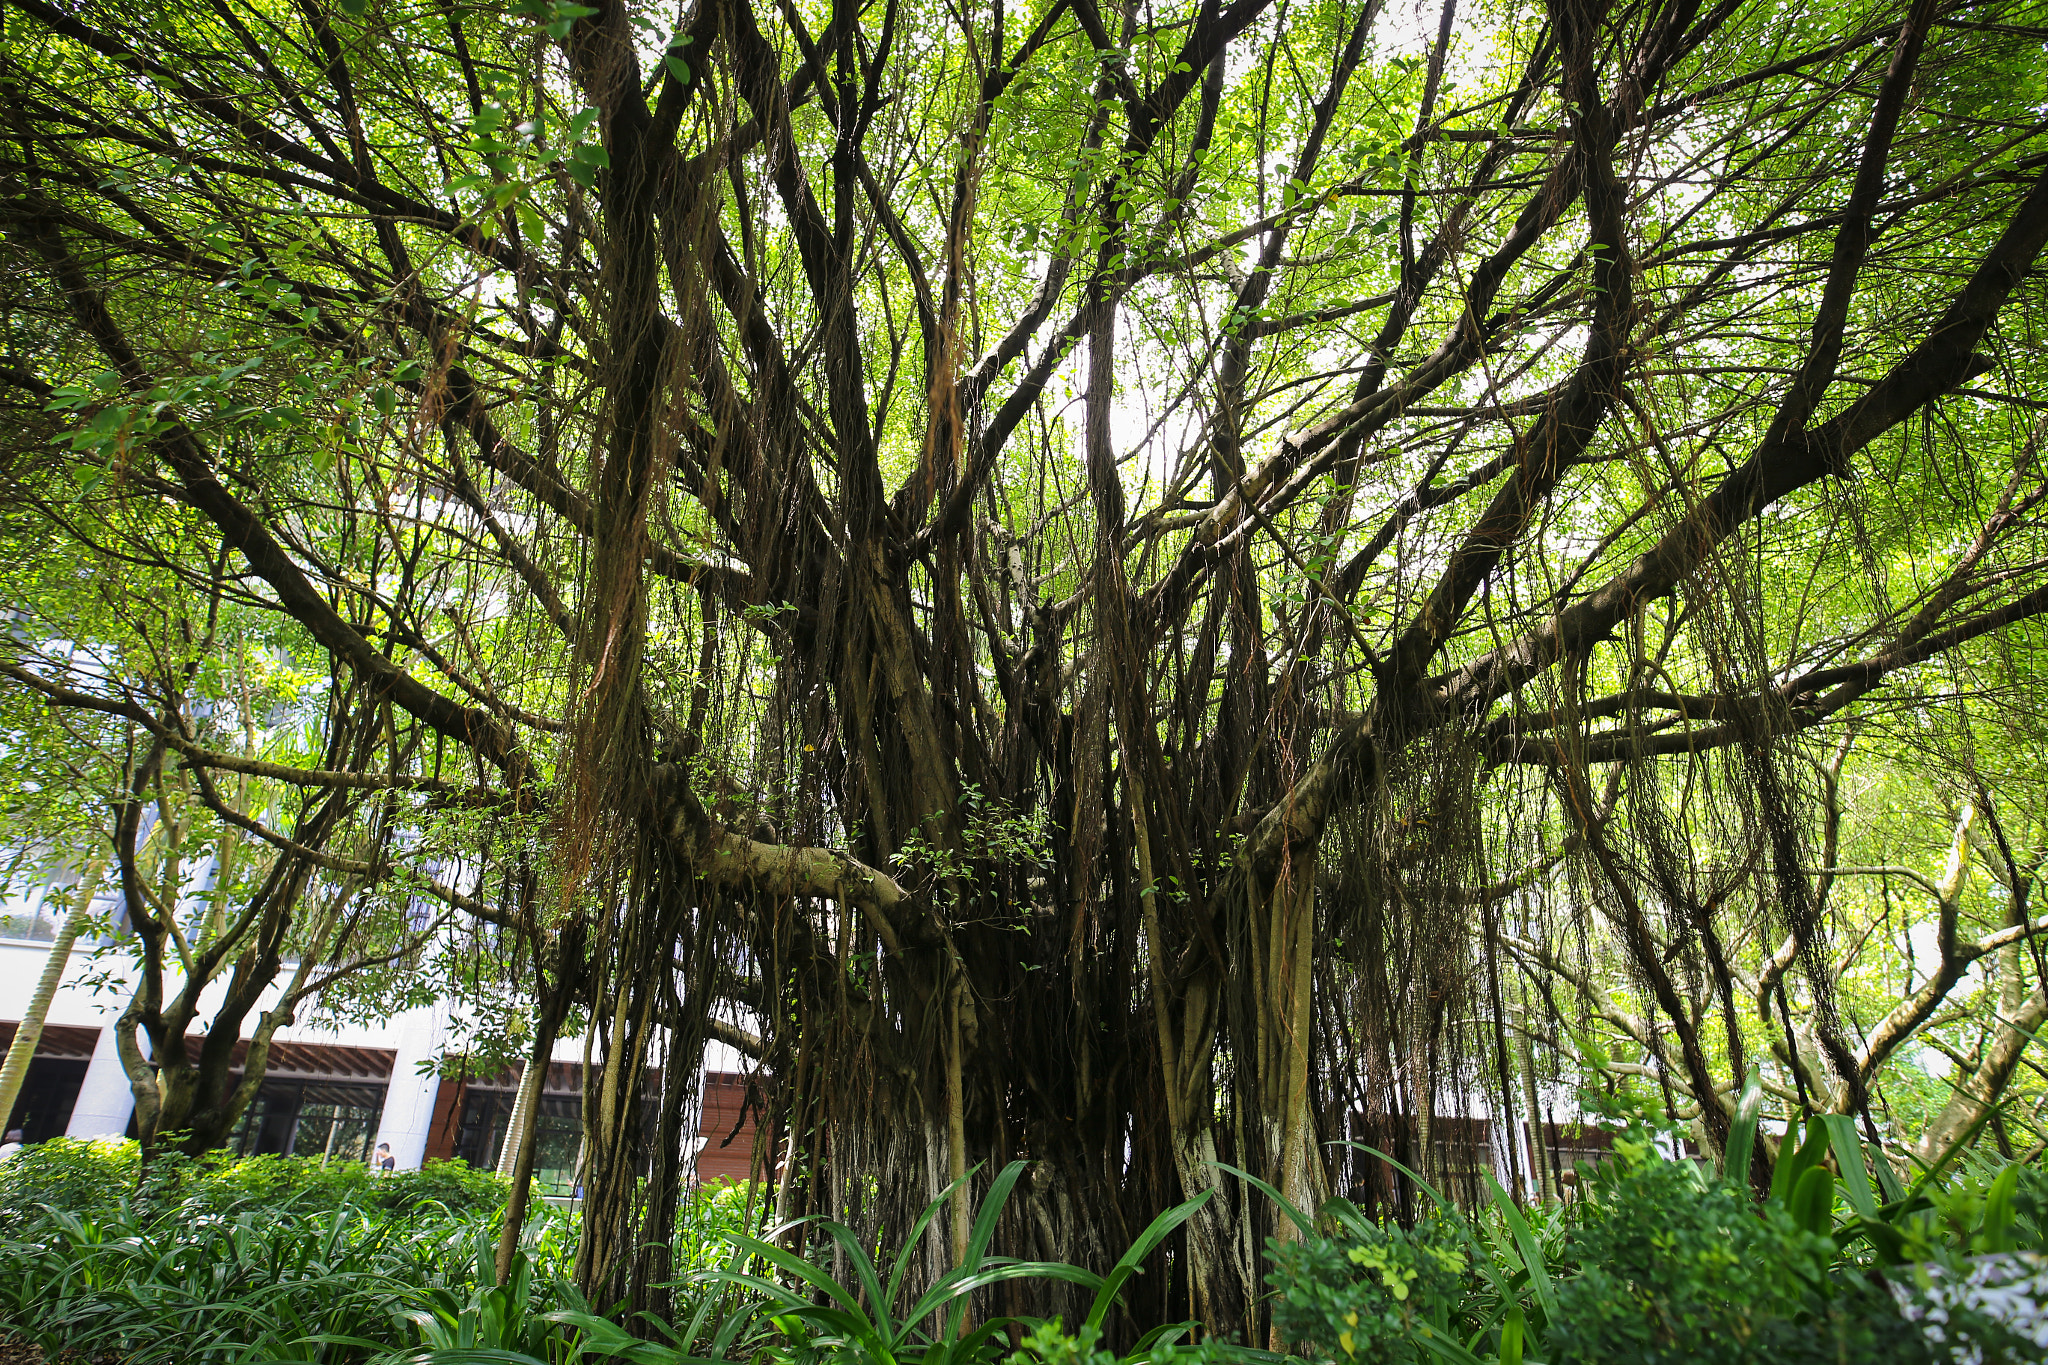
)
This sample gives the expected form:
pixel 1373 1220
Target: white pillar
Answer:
pixel 409 1097
pixel 105 1103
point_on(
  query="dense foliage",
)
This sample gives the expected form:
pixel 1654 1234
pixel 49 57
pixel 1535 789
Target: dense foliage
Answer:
pixel 90 1178
pixel 293 1259
pixel 1142 589
pixel 1655 1261
pixel 217 1262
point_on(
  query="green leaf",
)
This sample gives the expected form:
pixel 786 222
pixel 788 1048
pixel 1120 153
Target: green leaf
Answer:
pixel 1849 1156
pixel 1436 1195
pixel 1886 1240
pixel 1444 1347
pixel 1154 1233
pixel 1995 1234
pixel 1795 1162
pixel 1531 1250
pixel 678 68
pixel 1742 1133
pixel 991 1209
pixel 1812 1202
pixel 1511 1333
pixel 1887 1178
pixel 1294 1215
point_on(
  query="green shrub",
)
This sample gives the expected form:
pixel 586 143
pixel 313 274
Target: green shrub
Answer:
pixel 266 1258
pixel 460 1188
pixel 210 1288
pixel 1657 1263
pixel 219 1183
pixel 1367 1295
pixel 226 1184
pixel 1672 1269
pixel 72 1174
pixel 92 1177
pixel 187 1282
pixel 1049 1343
pixel 711 1214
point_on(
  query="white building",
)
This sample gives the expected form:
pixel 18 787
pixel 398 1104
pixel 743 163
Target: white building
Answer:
pixel 330 1090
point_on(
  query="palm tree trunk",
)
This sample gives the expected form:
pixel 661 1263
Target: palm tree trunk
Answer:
pixel 30 1031
pixel 515 1159
pixel 1539 1161
pixel 523 1102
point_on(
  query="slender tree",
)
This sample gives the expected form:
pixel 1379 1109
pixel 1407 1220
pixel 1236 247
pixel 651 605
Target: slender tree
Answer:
pixel 29 1032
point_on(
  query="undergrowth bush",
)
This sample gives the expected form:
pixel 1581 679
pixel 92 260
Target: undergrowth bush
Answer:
pixel 266 1259
pixel 73 1174
pixel 225 1184
pixel 1658 1262
pixel 1369 1294
pixel 1667 1269
pixel 218 1261
pixel 282 1284
pixel 93 1177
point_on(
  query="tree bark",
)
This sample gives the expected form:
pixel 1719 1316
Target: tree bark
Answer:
pixel 1972 1102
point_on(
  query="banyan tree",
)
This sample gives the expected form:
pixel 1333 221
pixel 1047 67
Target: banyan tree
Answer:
pixel 1052 572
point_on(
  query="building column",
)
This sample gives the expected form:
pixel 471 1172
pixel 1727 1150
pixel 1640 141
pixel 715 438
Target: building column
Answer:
pixel 408 1117
pixel 105 1103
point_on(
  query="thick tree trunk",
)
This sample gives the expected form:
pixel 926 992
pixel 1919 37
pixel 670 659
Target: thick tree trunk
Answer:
pixel 1223 1277
pixel 1974 1100
pixel 1285 1022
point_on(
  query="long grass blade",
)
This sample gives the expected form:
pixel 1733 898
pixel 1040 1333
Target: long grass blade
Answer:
pixel 1749 1108
pixel 1295 1215
pixel 1435 1194
pixel 1530 1249
pixel 1849 1156
pixel 1154 1233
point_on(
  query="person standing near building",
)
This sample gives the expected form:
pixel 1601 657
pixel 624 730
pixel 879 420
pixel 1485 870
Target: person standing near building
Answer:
pixel 12 1143
pixel 383 1161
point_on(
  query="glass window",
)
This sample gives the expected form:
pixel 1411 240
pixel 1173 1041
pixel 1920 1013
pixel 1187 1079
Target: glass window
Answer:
pixel 557 1135
pixel 333 1120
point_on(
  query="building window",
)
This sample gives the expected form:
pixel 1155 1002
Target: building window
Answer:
pixel 336 1121
pixel 43 1108
pixel 557 1135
